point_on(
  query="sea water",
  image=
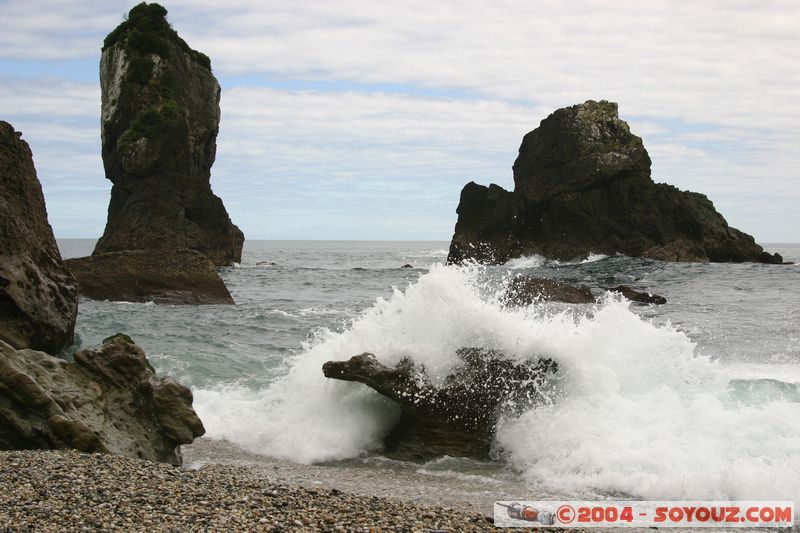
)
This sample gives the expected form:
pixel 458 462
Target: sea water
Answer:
pixel 695 399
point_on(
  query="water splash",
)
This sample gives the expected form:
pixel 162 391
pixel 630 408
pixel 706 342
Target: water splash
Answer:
pixel 643 414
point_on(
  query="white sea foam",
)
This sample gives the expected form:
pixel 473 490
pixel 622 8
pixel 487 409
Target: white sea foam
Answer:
pixel 594 257
pixel 643 414
pixel 645 417
pixel 125 302
pixel 534 261
pixel 307 311
pixel 530 261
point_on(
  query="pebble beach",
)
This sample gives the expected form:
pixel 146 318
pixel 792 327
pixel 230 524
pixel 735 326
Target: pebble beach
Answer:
pixel 68 491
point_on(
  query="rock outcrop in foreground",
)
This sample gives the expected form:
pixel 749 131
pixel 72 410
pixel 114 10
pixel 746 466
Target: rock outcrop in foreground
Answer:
pixel 458 418
pixel 582 185
pixel 38 295
pixel 160 118
pixel 109 400
pixel 180 277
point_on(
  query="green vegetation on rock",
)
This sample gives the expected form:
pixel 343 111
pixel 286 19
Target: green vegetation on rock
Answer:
pixel 146 31
pixel 140 69
pixel 152 122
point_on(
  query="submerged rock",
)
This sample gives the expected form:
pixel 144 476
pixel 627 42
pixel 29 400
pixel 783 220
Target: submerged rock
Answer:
pixel 582 185
pixel 524 290
pixel 109 400
pixel 459 417
pixel 180 277
pixel 160 118
pixel 637 296
pixel 38 295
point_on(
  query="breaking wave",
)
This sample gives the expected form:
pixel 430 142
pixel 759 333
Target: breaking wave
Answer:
pixel 642 413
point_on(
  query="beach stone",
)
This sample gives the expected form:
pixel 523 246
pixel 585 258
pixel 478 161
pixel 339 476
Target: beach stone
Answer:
pixel 582 185
pixel 108 400
pixel 160 117
pixel 38 295
pixel 459 417
pixel 177 277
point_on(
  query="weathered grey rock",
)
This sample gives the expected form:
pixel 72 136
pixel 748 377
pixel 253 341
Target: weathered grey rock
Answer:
pixel 160 118
pixel 582 185
pixel 458 418
pixel 524 290
pixel 109 400
pixel 179 277
pixel 38 295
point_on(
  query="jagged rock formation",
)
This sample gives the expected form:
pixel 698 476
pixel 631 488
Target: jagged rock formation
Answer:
pixel 458 418
pixel 182 277
pixel 160 118
pixel 109 400
pixel 38 295
pixel 582 185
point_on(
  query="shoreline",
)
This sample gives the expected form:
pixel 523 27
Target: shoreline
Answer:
pixel 414 483
pixel 68 490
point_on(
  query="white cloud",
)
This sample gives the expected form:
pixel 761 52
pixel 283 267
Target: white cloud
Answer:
pixel 49 97
pixel 360 156
pixel 711 86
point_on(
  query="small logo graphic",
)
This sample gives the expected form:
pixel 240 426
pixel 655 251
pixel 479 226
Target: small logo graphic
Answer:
pixel 518 511
pixel 565 514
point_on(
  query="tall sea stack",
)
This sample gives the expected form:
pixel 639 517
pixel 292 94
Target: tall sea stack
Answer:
pixel 582 185
pixel 160 118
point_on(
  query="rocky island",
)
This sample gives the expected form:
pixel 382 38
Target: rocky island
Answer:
pixel 159 122
pixel 582 185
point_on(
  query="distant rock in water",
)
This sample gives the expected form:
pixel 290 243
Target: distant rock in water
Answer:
pixel 109 400
pixel 180 277
pixel 160 118
pixel 637 296
pixel 524 290
pixel 38 295
pixel 458 418
pixel 582 185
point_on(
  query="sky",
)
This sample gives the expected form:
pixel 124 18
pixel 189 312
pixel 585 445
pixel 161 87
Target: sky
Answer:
pixel 345 119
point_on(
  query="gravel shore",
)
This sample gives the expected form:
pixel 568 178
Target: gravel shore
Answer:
pixel 464 485
pixel 70 491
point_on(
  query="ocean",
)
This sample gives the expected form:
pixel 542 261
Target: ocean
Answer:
pixel 695 399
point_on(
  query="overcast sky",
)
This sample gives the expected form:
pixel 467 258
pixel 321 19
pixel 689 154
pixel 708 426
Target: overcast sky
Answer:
pixel 363 119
